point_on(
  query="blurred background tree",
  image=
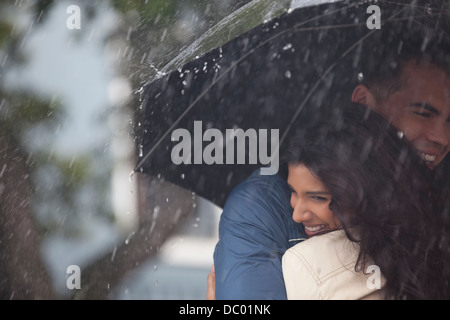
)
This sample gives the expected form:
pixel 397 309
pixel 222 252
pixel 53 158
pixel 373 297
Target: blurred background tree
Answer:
pixel 41 190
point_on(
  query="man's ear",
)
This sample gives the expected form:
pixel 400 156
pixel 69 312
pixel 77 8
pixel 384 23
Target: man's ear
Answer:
pixel 362 95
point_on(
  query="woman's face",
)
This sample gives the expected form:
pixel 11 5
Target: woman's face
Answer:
pixel 310 200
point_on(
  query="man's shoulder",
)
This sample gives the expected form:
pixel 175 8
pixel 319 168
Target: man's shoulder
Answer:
pixel 258 194
pixel 257 183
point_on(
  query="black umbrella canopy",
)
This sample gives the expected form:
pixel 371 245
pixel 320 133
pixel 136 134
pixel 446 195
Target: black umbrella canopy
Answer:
pixel 280 75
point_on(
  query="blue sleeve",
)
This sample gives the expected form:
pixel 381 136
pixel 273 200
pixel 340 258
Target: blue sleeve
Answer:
pixel 255 230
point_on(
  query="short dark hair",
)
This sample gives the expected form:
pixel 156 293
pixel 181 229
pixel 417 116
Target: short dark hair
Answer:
pixel 424 38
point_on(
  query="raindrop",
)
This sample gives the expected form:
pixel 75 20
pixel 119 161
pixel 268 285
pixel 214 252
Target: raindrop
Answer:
pixel 156 212
pixel 155 268
pixel 71 162
pixel 3 170
pixel 287 74
pixel 360 77
pixel 182 176
pixel 130 30
pixel 306 57
pixel 164 35
pixel 152 227
pixel 229 177
pixel 141 151
pixel 141 92
pixel 400 46
pixel 113 254
pixel 127 240
pixel 177 215
pixel 143 57
pixel 287 47
pixel 130 178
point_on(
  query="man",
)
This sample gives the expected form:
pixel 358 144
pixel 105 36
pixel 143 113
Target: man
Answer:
pixel 409 87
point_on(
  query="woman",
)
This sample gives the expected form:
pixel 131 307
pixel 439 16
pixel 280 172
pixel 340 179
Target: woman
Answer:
pixel 364 197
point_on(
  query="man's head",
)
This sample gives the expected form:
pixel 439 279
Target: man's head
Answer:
pixel 407 80
pixel 419 107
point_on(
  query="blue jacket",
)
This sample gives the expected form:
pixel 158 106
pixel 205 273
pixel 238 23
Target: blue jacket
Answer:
pixel 255 230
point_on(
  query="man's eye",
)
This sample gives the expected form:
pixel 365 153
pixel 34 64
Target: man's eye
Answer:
pixel 423 114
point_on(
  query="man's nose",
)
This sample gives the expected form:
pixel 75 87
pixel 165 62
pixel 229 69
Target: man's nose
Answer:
pixel 301 211
pixel 439 133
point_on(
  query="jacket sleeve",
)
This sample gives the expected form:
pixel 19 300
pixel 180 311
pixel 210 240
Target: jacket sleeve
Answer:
pixel 254 232
pixel 299 278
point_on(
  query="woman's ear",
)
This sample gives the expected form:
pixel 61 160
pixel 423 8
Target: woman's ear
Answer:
pixel 362 95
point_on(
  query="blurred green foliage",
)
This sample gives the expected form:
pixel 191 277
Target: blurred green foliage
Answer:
pixel 22 110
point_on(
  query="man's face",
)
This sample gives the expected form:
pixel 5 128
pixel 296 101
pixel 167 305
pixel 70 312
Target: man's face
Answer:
pixel 421 110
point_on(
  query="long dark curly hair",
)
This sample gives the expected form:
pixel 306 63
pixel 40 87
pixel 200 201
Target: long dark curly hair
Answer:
pixel 382 190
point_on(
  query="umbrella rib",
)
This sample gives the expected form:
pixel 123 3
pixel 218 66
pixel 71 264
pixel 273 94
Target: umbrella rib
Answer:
pixel 411 6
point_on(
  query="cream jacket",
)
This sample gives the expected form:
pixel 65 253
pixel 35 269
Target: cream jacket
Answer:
pixel 323 267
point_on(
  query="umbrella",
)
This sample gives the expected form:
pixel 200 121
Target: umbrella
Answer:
pixel 208 124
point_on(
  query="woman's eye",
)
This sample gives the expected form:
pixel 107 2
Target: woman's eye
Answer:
pixel 318 198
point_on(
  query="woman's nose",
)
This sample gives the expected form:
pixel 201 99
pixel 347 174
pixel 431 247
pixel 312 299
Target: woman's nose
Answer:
pixel 301 212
